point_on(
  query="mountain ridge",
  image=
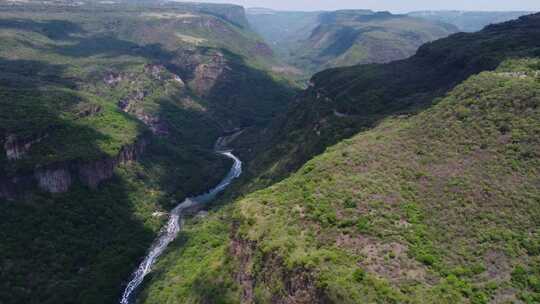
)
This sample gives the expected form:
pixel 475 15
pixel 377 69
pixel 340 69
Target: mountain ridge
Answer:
pixel 314 41
pixel 435 201
pixel 108 118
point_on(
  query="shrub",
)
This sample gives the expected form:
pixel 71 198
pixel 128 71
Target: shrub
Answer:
pixel 519 276
pixel 359 275
pixel 362 224
pixel 427 259
pixel 349 203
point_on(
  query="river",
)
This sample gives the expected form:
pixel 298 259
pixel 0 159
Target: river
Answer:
pixel 169 232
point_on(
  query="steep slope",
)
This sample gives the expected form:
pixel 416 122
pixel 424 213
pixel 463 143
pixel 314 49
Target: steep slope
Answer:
pixel 108 117
pixel 468 21
pixel 282 30
pixel 437 202
pixel 353 37
pixel 341 38
pixel 343 101
pixel 439 208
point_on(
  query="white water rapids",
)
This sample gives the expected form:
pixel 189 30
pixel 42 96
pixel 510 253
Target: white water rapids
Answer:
pixel 170 231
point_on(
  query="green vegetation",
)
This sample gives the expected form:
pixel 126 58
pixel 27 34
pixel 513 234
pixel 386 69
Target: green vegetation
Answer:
pixel 409 182
pixel 282 30
pixel 80 83
pixel 314 41
pixel 79 246
pixel 192 272
pixel 344 101
pixel 469 21
pixel 434 200
pixel 440 207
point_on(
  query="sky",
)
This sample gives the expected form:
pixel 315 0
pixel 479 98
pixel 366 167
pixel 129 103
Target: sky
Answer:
pixel 398 6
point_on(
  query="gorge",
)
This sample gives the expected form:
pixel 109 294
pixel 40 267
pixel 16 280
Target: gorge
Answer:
pixel 169 232
pixel 367 156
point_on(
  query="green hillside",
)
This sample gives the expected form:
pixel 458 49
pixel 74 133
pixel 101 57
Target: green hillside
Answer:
pixel 435 200
pixel 282 30
pixel 108 118
pixel 408 181
pixel 469 21
pixel 343 101
pixel 316 41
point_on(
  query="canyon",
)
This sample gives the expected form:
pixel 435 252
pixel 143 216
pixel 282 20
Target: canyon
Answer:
pixel 404 170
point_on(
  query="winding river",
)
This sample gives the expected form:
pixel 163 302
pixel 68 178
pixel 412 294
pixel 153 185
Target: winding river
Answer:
pixel 169 232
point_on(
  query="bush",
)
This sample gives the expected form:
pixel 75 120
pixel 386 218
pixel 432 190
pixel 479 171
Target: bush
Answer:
pixel 519 276
pixel 359 275
pixel 349 203
pixel 362 224
pixel 427 259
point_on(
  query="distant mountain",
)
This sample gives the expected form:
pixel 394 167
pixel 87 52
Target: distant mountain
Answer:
pixel 282 29
pixel 469 21
pixel 313 41
pixel 365 93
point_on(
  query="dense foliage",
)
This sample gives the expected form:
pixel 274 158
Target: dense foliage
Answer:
pixel 80 83
pixel 344 101
pixel 435 200
pixel 439 207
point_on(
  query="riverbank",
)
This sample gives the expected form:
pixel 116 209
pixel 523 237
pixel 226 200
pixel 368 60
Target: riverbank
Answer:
pixel 174 225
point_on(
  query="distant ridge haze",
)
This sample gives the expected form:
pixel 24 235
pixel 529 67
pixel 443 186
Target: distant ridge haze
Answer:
pixel 400 6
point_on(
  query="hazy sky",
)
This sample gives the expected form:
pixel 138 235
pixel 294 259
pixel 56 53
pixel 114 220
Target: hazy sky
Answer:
pixel 390 5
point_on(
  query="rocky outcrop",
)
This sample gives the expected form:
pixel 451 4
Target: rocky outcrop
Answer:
pixel 15 147
pixel 153 122
pixel 224 142
pixel 207 74
pixel 242 251
pixel 93 173
pixel 54 179
pixel 156 70
pixel 178 80
pixel 88 109
pixel 299 284
pixel 58 178
pixel 113 78
pixel 131 103
pixel 232 13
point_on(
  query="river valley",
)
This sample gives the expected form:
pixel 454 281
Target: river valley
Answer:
pixel 170 231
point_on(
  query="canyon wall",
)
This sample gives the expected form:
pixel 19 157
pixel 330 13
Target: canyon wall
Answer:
pixel 58 177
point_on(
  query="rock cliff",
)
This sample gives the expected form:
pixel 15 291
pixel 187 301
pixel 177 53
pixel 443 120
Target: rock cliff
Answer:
pixel 15 148
pixel 58 177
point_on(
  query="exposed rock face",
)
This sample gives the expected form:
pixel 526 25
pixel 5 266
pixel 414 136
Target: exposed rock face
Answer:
pixel 113 78
pixel 16 148
pixel 233 13
pixel 178 80
pixel 93 173
pixel 299 285
pixel 86 110
pixel 156 70
pixel 242 250
pixel 58 178
pixel 132 102
pixel 54 180
pixel 207 74
pixel 154 123
pixel 128 103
